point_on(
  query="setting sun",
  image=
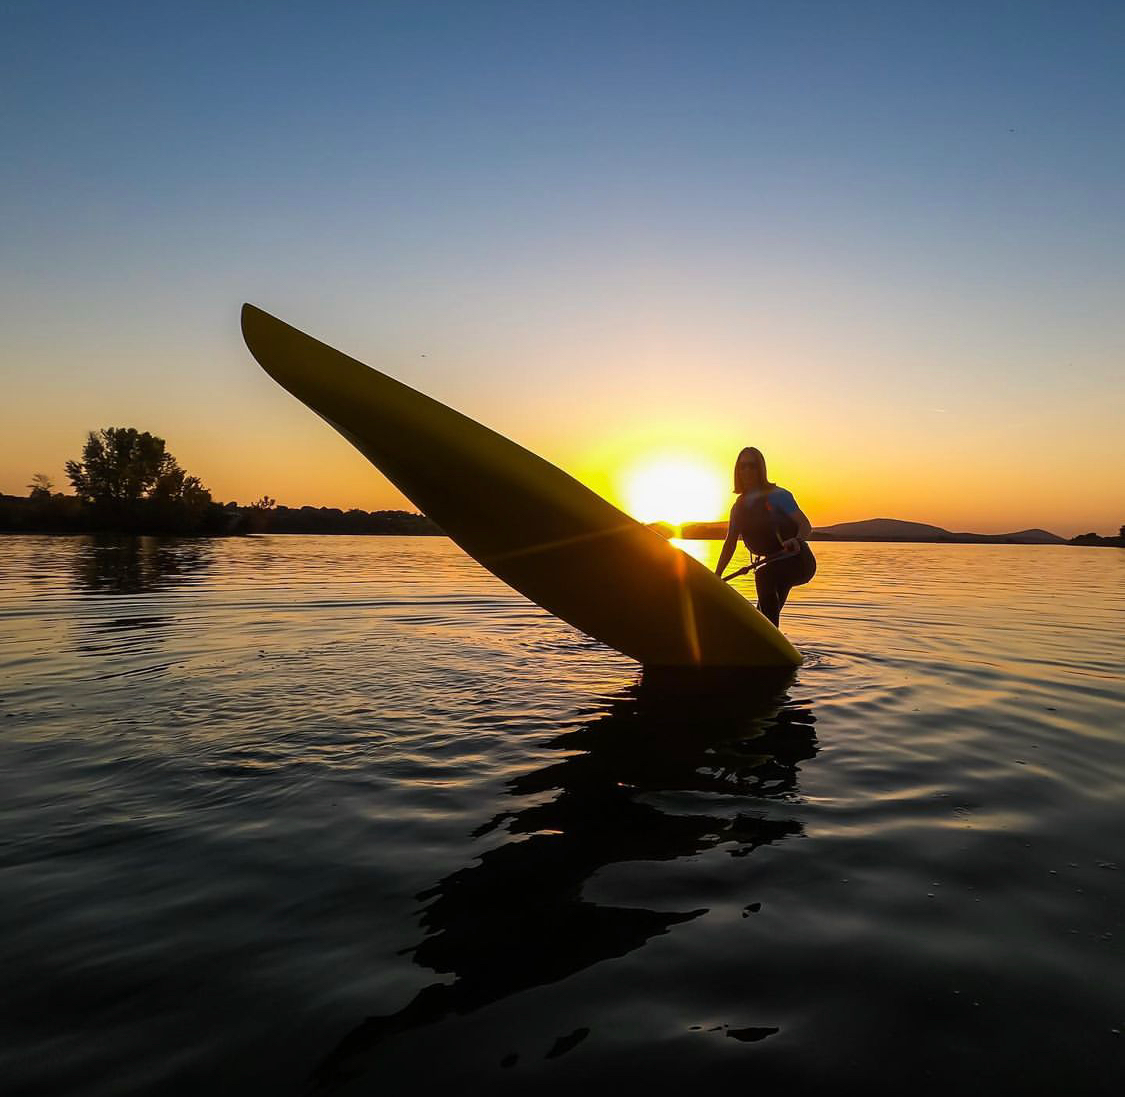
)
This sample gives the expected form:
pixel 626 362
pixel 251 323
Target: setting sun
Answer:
pixel 674 488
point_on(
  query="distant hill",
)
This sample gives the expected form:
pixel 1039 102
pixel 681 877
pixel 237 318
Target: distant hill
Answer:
pixel 882 528
pixel 891 529
pixel 703 531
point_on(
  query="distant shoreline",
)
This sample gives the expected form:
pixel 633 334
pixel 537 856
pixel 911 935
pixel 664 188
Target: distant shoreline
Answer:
pixel 896 531
pixel 213 536
pixel 61 515
pixel 1107 542
pixel 1101 542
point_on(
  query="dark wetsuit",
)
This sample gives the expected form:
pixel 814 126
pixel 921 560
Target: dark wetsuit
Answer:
pixel 764 521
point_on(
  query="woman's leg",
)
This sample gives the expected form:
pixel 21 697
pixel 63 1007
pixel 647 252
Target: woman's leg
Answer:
pixel 775 581
pixel 771 592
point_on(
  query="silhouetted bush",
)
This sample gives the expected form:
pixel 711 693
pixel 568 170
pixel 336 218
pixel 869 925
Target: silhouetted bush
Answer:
pixel 334 520
pixel 45 513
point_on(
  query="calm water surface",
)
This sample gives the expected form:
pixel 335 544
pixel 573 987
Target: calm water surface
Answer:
pixel 347 815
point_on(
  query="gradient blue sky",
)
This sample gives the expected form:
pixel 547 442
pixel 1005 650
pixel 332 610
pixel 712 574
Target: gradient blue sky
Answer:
pixel 883 241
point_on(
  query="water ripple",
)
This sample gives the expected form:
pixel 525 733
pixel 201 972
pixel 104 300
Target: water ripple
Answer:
pixel 328 813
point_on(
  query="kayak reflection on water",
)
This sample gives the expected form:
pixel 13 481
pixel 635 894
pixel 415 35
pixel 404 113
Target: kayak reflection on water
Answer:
pixel 517 918
pixel 774 529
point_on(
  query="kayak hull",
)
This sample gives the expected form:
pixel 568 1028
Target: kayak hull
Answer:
pixel 525 520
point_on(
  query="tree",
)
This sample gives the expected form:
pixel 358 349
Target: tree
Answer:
pixel 258 515
pixel 130 476
pixel 119 466
pixel 177 499
pixel 41 487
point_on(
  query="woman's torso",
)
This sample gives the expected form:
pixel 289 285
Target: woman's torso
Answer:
pixel 766 519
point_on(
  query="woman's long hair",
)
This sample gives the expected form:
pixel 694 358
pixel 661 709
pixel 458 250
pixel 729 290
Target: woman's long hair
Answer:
pixel 744 482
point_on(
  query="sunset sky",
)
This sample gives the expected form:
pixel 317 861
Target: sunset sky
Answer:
pixel 884 242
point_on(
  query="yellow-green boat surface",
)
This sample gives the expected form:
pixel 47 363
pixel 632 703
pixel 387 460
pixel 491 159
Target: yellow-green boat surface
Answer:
pixel 531 524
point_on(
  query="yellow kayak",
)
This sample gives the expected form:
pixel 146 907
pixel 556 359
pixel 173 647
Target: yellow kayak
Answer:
pixel 528 522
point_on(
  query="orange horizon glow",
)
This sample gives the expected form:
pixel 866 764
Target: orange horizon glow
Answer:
pixel 845 456
pixel 677 483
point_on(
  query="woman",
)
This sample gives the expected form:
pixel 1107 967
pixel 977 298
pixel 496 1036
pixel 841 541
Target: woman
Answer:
pixel 769 521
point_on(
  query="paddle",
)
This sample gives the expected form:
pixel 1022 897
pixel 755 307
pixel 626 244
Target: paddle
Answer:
pixel 760 562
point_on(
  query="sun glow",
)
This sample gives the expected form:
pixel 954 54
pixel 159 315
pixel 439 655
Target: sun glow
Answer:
pixel 676 489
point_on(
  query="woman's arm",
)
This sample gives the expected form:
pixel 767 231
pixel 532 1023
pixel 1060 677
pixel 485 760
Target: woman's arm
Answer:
pixel 729 545
pixel 804 528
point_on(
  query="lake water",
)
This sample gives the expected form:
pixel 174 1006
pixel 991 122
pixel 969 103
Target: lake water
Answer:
pixel 347 815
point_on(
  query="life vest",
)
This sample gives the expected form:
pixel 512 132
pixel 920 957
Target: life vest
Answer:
pixel 763 526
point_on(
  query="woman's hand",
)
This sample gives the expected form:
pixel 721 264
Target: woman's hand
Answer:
pixel 793 545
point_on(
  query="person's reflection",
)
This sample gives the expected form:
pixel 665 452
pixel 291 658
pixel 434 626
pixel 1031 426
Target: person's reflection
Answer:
pixel 137 565
pixel 517 918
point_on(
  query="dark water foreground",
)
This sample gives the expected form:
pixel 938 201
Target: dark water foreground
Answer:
pixel 341 815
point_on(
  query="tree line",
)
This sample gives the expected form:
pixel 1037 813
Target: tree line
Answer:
pixel 127 481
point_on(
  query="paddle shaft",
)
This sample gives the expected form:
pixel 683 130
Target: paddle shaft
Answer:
pixel 760 562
